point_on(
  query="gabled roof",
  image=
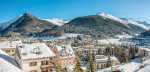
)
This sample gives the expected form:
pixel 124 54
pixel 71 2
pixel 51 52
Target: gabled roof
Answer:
pixel 10 44
pixel 67 48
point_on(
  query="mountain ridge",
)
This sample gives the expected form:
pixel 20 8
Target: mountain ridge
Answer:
pixel 99 25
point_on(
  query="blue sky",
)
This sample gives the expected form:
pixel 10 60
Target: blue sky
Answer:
pixel 69 9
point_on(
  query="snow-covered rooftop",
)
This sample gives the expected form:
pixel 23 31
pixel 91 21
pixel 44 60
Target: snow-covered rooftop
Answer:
pixel 7 63
pixel 35 50
pixel 145 69
pixel 130 67
pixel 145 48
pixel 105 58
pixel 67 48
pixel 11 44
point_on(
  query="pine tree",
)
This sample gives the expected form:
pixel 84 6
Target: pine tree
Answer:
pixel 116 51
pixel 109 63
pixel 58 67
pixel 90 65
pixel 126 59
pixel 78 66
pixel 121 54
pixel 141 60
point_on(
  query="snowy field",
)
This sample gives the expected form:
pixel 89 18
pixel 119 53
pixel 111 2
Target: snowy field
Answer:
pixel 64 36
pixel 115 40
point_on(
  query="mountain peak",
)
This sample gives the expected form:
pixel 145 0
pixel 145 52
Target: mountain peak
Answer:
pixel 102 13
pixel 27 14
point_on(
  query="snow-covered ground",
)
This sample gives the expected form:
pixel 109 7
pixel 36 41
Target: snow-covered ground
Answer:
pixel 57 21
pixel 145 69
pixel 115 40
pixel 130 67
pixel 70 68
pixel 64 36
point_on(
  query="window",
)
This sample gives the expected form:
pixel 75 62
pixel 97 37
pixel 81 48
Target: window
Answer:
pixel 51 58
pixel 12 50
pixel 33 63
pixel 44 62
pixel 7 51
pixel 33 71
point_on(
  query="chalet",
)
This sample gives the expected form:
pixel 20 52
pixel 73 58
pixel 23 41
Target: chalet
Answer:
pixel 35 57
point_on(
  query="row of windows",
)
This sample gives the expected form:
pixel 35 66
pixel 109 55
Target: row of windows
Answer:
pixel 8 51
pixel 66 63
pixel 101 61
pixel 67 59
pixel 42 63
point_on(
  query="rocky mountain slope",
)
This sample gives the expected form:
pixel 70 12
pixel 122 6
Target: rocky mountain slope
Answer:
pixel 99 26
pixel 27 24
pixel 6 24
pixel 146 33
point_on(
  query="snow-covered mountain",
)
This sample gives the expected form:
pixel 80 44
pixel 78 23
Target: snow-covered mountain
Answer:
pixel 125 21
pixel 105 15
pixel 6 24
pixel 145 23
pixel 57 21
pixel 27 24
pixel 131 21
pixel 97 25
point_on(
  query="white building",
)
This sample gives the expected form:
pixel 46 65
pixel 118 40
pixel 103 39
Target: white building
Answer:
pixel 144 51
pixel 35 57
pixel 101 61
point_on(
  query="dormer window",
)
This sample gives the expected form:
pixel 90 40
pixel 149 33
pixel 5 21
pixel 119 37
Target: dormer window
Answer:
pixel 24 54
pixel 38 53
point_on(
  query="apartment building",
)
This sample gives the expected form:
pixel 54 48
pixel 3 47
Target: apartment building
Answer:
pixel 101 61
pixel 66 55
pixel 35 57
pixel 144 51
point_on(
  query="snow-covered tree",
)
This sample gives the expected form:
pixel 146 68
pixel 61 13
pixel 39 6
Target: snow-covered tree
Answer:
pixel 109 63
pixel 90 65
pixel 78 65
pixel 58 67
